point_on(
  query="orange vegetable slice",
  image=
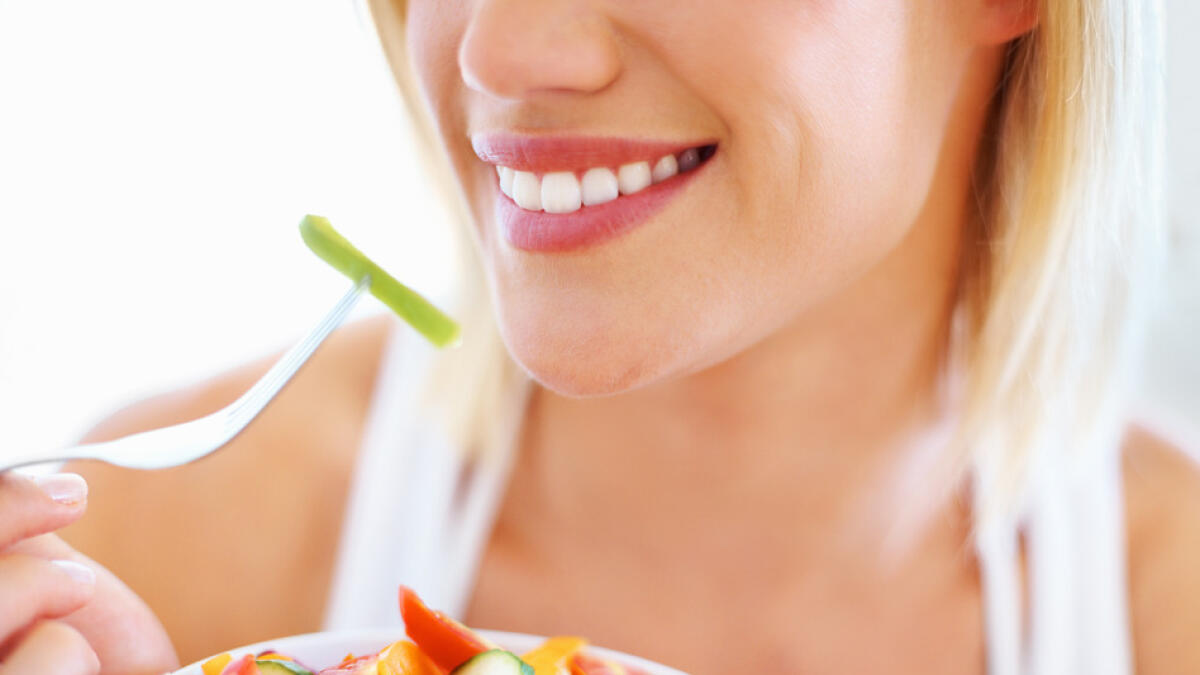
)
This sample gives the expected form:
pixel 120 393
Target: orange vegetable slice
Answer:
pixel 555 655
pixel 216 664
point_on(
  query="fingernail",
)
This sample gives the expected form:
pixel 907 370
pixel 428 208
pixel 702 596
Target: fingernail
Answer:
pixel 81 573
pixel 64 488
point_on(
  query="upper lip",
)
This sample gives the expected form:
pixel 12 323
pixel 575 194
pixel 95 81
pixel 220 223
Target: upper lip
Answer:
pixel 568 153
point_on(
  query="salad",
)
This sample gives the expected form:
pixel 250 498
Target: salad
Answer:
pixel 436 645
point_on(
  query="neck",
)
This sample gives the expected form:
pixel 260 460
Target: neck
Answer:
pixel 805 423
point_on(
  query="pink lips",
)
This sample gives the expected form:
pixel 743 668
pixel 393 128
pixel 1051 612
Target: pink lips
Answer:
pixel 559 232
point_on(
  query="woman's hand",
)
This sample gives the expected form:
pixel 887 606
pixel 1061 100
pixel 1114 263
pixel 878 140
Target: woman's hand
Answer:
pixel 61 613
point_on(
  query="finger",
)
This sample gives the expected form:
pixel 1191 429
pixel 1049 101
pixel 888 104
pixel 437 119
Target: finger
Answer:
pixel 51 648
pixel 33 588
pixel 33 506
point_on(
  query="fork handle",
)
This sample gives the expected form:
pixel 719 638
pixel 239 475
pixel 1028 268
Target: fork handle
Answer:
pixel 32 457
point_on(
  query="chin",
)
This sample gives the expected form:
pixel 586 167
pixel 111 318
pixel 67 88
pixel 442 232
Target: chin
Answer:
pixel 584 365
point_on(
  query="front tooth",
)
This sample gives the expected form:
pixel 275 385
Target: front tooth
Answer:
pixel 633 177
pixel 688 159
pixel 506 180
pixel 664 168
pixel 527 190
pixel 560 192
pixel 599 186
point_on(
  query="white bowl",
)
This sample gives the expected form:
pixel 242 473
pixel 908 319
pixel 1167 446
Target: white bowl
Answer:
pixel 322 650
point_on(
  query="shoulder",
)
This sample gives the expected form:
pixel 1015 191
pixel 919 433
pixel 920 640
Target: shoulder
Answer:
pixel 1162 490
pixel 236 523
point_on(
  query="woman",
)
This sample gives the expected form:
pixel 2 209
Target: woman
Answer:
pixel 827 380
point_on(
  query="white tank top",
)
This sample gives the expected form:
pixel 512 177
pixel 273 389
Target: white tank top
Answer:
pixel 420 514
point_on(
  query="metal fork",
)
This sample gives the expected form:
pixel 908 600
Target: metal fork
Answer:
pixel 189 441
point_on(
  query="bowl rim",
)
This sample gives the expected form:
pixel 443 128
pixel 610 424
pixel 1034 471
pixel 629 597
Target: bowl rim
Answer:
pixel 386 635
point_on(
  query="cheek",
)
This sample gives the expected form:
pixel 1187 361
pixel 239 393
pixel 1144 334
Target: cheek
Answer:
pixel 431 38
pixel 835 158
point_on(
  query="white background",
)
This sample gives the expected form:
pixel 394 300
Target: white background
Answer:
pixel 156 156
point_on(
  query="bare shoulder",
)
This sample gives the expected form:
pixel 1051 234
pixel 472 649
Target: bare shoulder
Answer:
pixel 254 525
pixel 1162 490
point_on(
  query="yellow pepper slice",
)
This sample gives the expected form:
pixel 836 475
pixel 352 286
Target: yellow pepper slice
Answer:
pixel 554 656
pixel 216 664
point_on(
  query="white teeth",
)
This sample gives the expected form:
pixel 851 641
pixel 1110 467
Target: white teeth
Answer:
pixel 664 168
pixel 560 192
pixel 633 177
pixel 688 159
pixel 527 190
pixel 506 180
pixel 599 186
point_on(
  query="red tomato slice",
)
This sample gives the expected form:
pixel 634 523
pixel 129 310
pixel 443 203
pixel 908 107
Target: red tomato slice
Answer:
pixel 446 641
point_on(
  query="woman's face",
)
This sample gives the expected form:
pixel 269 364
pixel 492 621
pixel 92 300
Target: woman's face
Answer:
pixel 841 127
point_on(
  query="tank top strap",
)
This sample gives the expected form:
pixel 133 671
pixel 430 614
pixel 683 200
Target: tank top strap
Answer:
pixel 1078 618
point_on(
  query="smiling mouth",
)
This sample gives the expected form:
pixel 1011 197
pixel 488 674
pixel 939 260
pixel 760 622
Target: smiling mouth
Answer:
pixel 557 193
pixel 570 190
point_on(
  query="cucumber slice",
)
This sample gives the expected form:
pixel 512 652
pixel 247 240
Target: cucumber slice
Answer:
pixel 272 667
pixel 333 248
pixel 494 662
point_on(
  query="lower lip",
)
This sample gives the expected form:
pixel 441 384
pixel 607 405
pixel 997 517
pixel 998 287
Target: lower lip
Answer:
pixel 590 225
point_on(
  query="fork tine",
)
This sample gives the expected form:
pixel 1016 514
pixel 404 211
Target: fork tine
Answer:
pixel 266 388
pixel 251 403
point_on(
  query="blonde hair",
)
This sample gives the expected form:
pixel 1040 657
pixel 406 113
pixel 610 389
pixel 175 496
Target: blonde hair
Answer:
pixel 466 388
pixel 1071 238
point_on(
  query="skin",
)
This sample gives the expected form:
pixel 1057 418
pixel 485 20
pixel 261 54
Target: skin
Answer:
pixel 824 317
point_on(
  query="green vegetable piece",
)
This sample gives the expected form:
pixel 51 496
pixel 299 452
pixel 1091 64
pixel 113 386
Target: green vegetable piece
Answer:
pixel 333 248
pixel 272 667
pixel 494 662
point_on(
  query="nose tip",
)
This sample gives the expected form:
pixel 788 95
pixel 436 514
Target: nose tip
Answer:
pixel 515 48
